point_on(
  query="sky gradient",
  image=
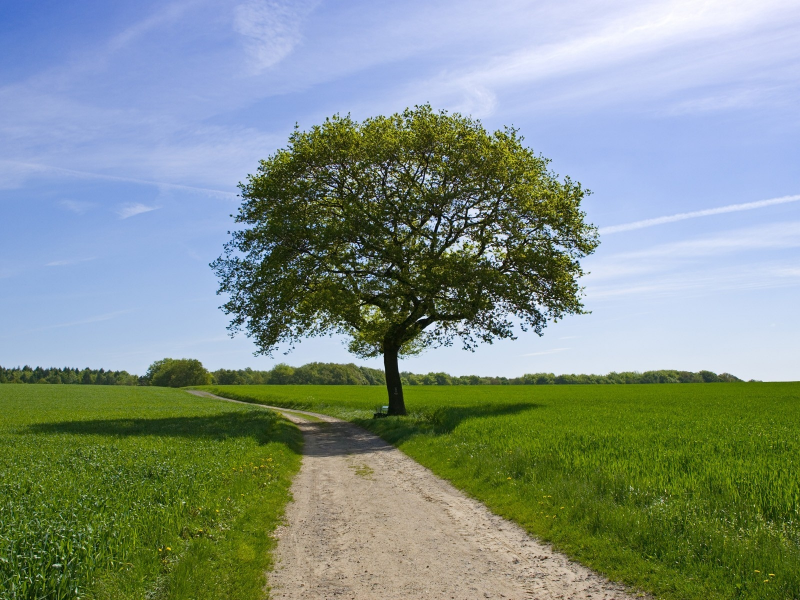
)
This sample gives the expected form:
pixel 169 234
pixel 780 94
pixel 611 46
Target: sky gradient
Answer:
pixel 126 127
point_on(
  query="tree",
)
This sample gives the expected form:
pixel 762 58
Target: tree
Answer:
pixel 281 374
pixel 171 372
pixel 403 232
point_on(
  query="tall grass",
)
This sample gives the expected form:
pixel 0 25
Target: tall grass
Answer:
pixel 107 492
pixel 687 491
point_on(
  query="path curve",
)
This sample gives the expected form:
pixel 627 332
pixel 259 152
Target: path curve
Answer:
pixel 368 522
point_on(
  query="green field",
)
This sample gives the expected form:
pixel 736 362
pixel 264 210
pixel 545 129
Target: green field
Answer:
pixel 124 492
pixel 686 490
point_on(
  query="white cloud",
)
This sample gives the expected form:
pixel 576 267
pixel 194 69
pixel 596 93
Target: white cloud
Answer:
pixel 665 257
pixel 738 278
pixel 166 15
pixel 772 236
pixel 635 50
pixel 650 28
pixel 478 101
pixel 135 208
pixel 271 29
pixel 733 260
pixel 727 100
pixel 135 103
pixel 69 261
pixel 161 128
pixel 77 206
pixel 29 168
pixel 741 259
pixel 787 271
pixel 698 213
pixel 12 176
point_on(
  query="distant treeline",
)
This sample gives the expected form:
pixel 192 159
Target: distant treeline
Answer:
pixel 665 376
pixel 313 373
pixel 350 374
pixel 28 374
pixel 336 374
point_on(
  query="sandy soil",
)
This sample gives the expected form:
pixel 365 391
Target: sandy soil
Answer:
pixel 367 522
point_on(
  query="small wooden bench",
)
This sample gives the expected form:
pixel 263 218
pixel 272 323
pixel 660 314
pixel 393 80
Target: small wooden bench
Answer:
pixel 380 412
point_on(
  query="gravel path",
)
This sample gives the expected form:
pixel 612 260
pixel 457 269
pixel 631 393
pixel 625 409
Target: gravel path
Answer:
pixel 367 522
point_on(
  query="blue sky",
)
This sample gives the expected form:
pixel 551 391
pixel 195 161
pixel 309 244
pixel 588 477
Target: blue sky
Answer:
pixel 127 125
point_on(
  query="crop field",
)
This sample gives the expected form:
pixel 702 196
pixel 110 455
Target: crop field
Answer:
pixel 125 492
pixel 686 490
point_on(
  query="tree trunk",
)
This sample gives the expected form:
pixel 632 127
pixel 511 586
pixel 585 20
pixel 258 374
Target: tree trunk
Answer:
pixel 394 385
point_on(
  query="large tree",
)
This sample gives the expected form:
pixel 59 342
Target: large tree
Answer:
pixel 403 232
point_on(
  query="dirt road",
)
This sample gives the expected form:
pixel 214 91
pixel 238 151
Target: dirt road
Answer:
pixel 367 522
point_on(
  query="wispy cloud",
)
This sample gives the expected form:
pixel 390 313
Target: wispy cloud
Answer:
pixel 787 271
pixel 271 29
pixel 696 214
pixel 636 50
pixel 543 352
pixel 88 320
pixel 740 259
pixel 753 277
pixel 69 261
pixel 772 236
pixel 165 15
pixel 663 258
pixel 160 128
pixel 135 208
pixel 731 100
pixel 77 206
pixel 478 100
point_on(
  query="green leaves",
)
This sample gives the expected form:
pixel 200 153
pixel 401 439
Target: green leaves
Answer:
pixel 404 231
pixel 181 372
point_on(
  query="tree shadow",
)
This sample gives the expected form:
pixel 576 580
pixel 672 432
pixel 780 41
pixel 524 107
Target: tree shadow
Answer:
pixel 340 439
pixel 350 438
pixel 323 439
pixel 439 421
pixel 264 427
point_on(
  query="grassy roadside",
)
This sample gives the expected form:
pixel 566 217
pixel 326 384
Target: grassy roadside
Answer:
pixel 685 491
pixel 123 493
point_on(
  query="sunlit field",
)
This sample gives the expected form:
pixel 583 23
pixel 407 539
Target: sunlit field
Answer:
pixel 125 492
pixel 686 491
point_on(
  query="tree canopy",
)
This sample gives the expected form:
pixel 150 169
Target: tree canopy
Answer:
pixel 403 232
pixel 177 372
pixel 66 375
